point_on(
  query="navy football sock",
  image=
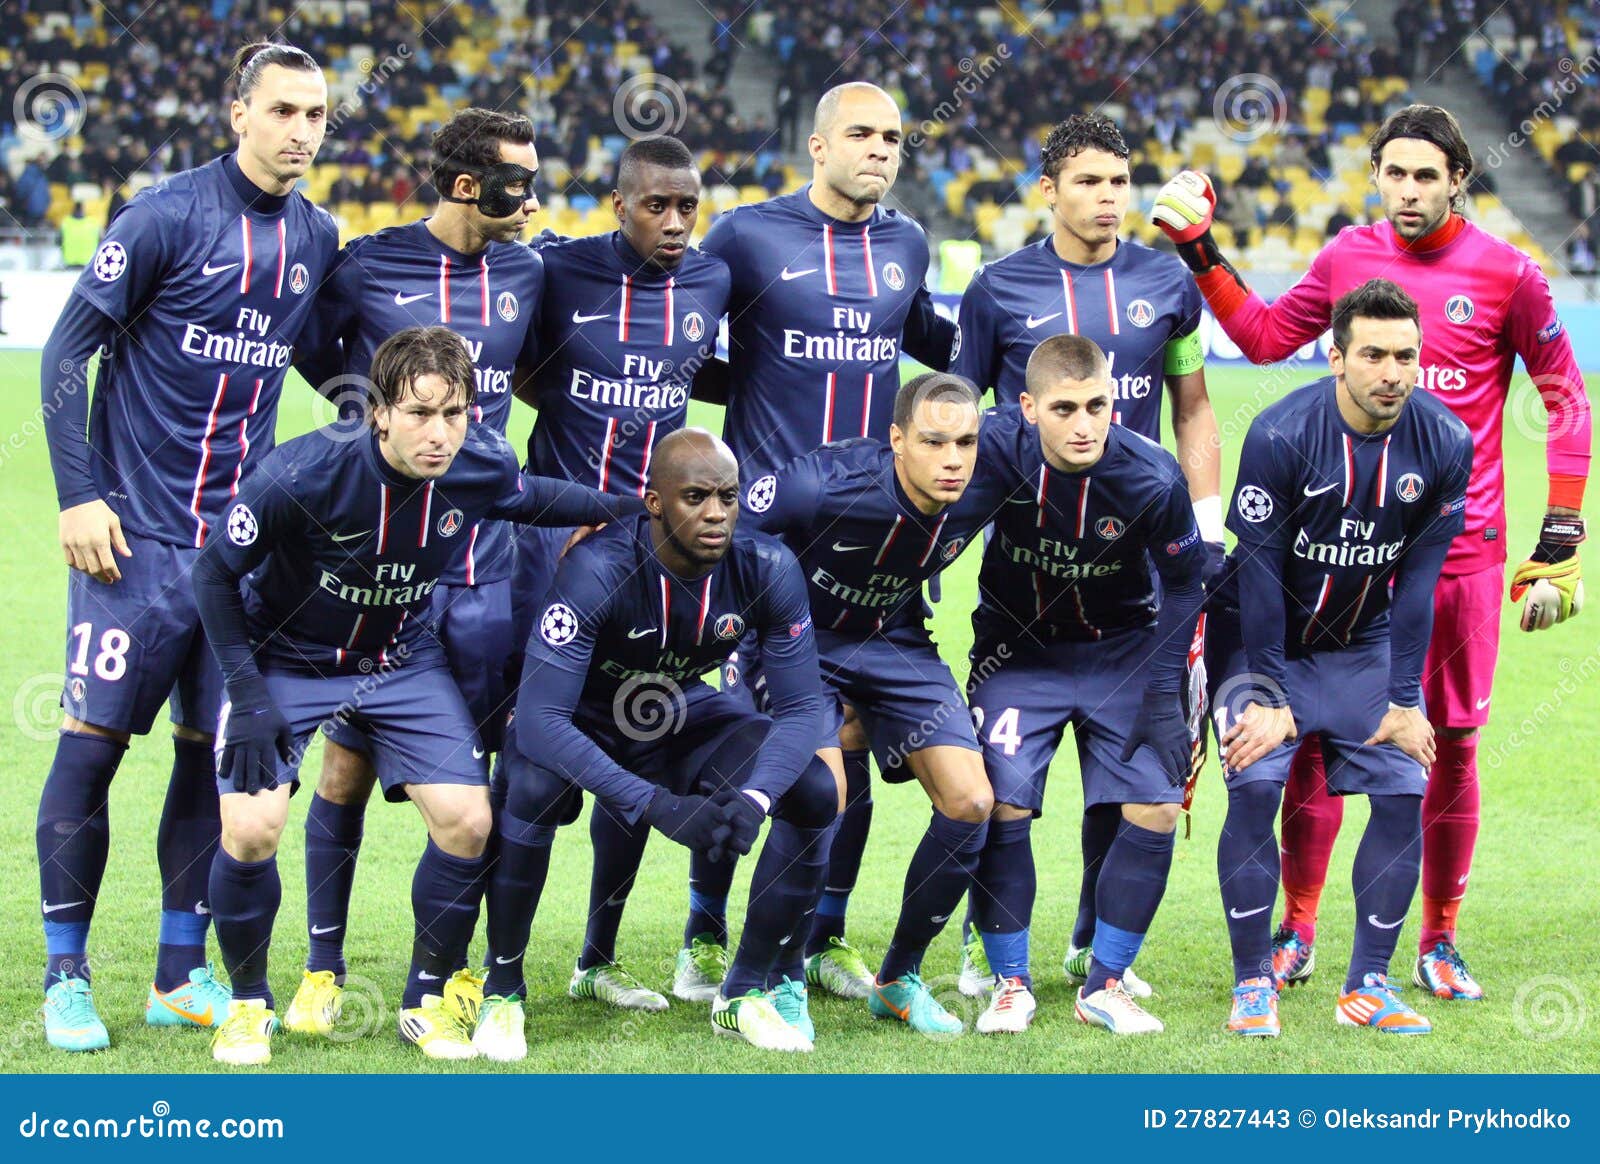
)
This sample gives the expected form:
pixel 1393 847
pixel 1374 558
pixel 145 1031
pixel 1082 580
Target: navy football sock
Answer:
pixel 618 849
pixel 844 857
pixel 1384 877
pixel 515 885
pixel 783 890
pixel 1132 880
pixel 1096 835
pixel 941 871
pixel 445 891
pixel 333 841
pixel 1003 891
pixel 186 842
pixel 73 834
pixel 709 882
pixel 244 903
pixel 1247 869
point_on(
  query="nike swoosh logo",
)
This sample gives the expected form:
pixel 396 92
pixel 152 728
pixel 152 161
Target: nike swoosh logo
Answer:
pixel 477 753
pixel 1483 703
pixel 46 907
pixel 1310 492
pixel 1234 913
pixel 786 274
pixel 845 548
pixel 348 537
pixel 1372 919
pixel 401 298
pixel 200 908
pixel 500 961
pixel 1462 880
pixel 637 633
pixel 208 269
pixel 1036 320
pixel 315 930
pixel 424 976
pixel 939 921
pixel 579 317
pixel 199 1017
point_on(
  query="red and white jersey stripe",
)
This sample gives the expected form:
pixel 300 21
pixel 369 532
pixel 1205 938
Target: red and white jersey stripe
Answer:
pixel 866 251
pixel 283 251
pixel 444 289
pixel 205 458
pixel 933 539
pixel 1322 601
pixel 1383 470
pixel 1111 302
pixel 888 541
pixel 1071 301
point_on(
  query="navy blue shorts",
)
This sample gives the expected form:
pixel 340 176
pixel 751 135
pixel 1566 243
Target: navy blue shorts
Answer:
pixel 474 625
pixel 415 722
pixel 135 644
pixel 1342 696
pixel 903 691
pixel 1025 690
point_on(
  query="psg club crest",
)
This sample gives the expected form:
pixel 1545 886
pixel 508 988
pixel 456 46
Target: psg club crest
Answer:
pixel 1409 487
pixel 1255 504
pixel 299 278
pixel 109 262
pixel 242 528
pixel 1109 528
pixel 761 494
pixel 506 304
pixel 77 691
pixel 450 523
pixel 952 548
pixel 558 625
pixel 1458 309
pixel 693 327
pixel 894 276
pixel 729 626
pixel 1140 313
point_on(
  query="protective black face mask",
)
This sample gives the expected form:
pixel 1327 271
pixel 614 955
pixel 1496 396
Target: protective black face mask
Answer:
pixel 494 199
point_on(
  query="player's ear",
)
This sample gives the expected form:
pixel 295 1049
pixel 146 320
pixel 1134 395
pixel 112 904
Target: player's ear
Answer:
pixel 238 116
pixel 617 204
pixel 1047 188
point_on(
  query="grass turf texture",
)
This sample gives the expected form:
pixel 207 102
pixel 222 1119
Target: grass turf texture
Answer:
pixel 1527 924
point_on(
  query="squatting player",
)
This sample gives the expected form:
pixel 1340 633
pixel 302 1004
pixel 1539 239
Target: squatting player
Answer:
pixel 871 522
pixel 463 269
pixel 1141 308
pixel 1073 627
pixel 1483 303
pixel 628 318
pixel 314 603
pixel 197 297
pixel 612 702
pixel 1350 491
pixel 827 292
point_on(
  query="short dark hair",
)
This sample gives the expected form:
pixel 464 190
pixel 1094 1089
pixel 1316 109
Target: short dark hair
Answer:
pixel 1434 125
pixel 254 59
pixel 408 355
pixel 1065 357
pixel 1081 131
pixel 661 150
pixel 1374 299
pixel 469 143
pixel 943 388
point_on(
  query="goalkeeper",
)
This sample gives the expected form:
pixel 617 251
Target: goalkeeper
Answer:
pixel 1483 303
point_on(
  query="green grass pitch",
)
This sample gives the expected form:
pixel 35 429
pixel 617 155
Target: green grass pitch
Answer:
pixel 1528 925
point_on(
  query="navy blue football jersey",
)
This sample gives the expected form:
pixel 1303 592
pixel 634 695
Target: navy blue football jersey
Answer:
pixel 616 620
pixel 815 325
pixel 1335 510
pixel 405 277
pixel 620 343
pixel 865 548
pixel 339 551
pixel 1081 551
pixel 210 281
pixel 1133 305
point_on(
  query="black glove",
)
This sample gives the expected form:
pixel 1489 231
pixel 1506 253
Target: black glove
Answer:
pixel 693 821
pixel 743 816
pixel 1159 725
pixel 257 737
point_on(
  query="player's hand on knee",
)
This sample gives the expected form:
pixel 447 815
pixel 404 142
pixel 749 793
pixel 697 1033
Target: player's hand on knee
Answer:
pixel 91 539
pixel 1552 578
pixel 693 821
pixel 1160 726
pixel 1409 730
pixel 743 816
pixel 1256 732
pixel 256 740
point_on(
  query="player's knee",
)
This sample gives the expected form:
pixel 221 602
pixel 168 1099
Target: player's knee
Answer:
pixel 250 836
pixel 1157 818
pixel 194 735
pixel 813 801
pixel 346 776
pixel 1004 812
pixel 72 724
pixel 462 830
pixel 1255 802
pixel 540 797
pixel 971 805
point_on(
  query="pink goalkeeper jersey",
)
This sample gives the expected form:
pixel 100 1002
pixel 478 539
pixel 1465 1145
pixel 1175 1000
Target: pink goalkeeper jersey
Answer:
pixel 1483 302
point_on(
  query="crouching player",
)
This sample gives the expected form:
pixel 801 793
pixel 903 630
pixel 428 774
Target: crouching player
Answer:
pixel 1345 486
pixel 345 533
pixel 611 701
pixel 1067 631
